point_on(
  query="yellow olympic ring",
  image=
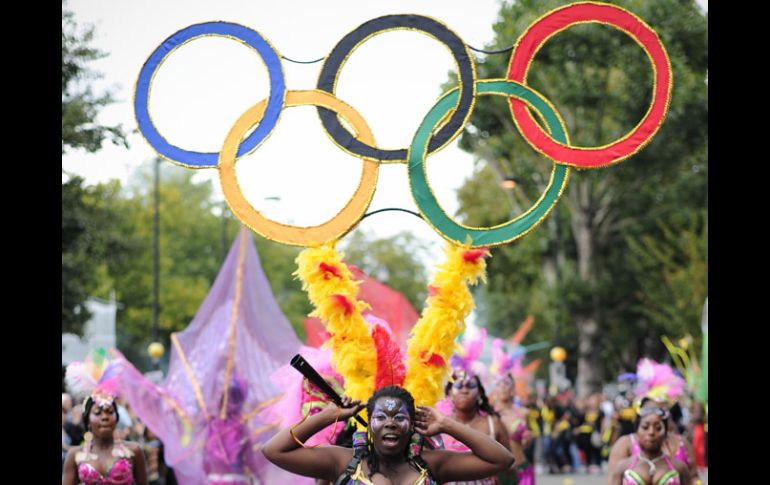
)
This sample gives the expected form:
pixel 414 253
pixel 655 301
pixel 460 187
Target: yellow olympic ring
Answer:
pixel 331 230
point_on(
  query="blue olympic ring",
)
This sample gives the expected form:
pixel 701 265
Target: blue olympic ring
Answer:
pixel 251 38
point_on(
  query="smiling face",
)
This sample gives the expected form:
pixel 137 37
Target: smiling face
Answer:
pixel 390 426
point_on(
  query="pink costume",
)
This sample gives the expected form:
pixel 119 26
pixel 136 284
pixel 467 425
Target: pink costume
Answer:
pixel 631 477
pixel 445 407
pixel 119 473
pixel 681 453
pixel 525 472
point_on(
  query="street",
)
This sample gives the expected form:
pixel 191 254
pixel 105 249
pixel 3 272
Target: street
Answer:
pixel 580 479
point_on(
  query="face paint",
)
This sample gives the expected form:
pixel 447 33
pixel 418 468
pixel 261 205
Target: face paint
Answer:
pixel 380 414
pixel 390 425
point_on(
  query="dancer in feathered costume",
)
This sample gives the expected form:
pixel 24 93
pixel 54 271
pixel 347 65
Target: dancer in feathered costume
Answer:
pixel 371 363
pixel 101 459
pixel 659 384
pixel 466 401
pixel 686 361
pixel 509 377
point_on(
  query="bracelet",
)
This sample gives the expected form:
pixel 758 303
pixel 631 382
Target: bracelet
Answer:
pixel 291 430
pixel 334 430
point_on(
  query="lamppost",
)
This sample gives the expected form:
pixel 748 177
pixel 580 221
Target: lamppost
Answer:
pixel 155 349
pixel 557 370
pixel 224 230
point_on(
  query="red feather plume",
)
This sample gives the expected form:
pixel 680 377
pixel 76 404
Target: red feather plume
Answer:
pixel 473 255
pixel 344 302
pixel 329 269
pixel 390 361
pixel 434 359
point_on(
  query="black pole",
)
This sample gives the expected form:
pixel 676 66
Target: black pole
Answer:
pixel 155 261
pixel 557 262
pixel 307 370
pixel 224 230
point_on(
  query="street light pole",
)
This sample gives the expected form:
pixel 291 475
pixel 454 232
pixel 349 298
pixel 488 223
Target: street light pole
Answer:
pixel 224 230
pixel 155 262
pixel 557 266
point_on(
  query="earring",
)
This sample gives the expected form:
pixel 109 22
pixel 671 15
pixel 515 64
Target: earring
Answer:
pixel 85 454
pixel 415 445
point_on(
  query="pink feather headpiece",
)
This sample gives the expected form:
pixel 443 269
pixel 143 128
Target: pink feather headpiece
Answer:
pixel 96 377
pixel 658 381
pixel 466 357
pixel 504 363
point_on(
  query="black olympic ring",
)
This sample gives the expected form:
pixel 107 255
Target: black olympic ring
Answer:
pixel 327 81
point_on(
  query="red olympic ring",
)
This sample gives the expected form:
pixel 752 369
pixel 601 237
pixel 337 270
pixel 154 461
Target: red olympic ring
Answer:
pixel 560 19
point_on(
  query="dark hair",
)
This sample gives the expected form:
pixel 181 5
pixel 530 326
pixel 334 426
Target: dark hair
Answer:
pixel 392 391
pixel 87 411
pixel 484 405
pixel 372 460
pixel 662 412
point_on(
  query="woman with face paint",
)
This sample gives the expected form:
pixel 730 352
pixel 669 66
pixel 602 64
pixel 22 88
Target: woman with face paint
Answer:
pixel 102 459
pixel 390 451
pixel 648 464
pixel 470 406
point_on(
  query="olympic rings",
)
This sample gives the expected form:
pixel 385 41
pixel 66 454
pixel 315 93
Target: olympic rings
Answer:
pixel 513 229
pixel 247 36
pixel 466 67
pixel 455 106
pixel 331 230
pixel 562 18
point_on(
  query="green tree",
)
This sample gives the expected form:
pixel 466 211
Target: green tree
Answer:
pixel 87 226
pixel 79 104
pixel 600 81
pixel 672 275
pixel 193 240
pixel 393 261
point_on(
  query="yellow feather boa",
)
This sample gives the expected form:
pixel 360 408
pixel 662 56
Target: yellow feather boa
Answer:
pixel 432 340
pixel 331 289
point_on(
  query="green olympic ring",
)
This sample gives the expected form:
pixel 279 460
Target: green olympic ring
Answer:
pixel 520 225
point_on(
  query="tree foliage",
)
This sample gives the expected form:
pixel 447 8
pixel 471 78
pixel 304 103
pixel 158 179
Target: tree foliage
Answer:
pixel 600 81
pixel 87 225
pixel 194 237
pixel 79 104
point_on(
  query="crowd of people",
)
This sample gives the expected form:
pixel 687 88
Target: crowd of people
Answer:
pixel 632 439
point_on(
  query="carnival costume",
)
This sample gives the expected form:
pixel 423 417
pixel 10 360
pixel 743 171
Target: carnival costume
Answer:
pixel 465 365
pixel 97 377
pixel 659 383
pixel 631 477
pixel 503 364
pixel 208 410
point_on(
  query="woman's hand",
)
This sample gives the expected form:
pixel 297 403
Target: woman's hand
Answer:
pixel 428 421
pixel 348 409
